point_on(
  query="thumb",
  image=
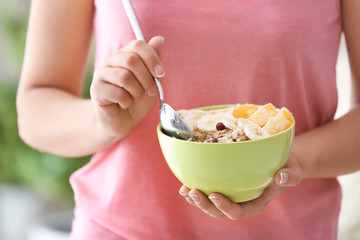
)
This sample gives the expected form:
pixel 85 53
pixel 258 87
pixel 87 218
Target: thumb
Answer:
pixel 156 43
pixel 289 176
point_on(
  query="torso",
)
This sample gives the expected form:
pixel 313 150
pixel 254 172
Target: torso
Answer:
pixel 218 53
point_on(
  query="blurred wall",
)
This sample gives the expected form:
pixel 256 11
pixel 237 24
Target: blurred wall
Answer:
pixel 349 221
pixel 30 168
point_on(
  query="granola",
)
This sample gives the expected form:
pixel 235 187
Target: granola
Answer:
pixel 237 123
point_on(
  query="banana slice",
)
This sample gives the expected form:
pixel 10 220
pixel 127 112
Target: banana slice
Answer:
pixel 254 131
pixel 242 122
pixel 191 117
pixel 208 123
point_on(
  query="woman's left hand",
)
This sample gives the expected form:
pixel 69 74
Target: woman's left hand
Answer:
pixel 218 206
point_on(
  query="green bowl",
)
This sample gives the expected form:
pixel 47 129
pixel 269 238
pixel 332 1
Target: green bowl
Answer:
pixel 240 170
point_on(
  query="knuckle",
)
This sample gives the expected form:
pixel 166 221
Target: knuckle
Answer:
pixel 98 74
pixel 124 77
pixel 137 44
pixel 126 80
pixel 105 60
pixel 93 94
pixel 131 59
pixel 121 96
pixel 93 85
pixel 124 99
pixel 94 91
pixel 138 94
pixel 148 82
pixel 126 104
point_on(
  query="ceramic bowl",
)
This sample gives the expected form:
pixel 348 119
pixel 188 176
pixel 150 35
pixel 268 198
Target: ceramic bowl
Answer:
pixel 240 170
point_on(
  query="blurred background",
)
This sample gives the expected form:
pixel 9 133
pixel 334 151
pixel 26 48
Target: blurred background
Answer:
pixel 36 199
pixel 34 186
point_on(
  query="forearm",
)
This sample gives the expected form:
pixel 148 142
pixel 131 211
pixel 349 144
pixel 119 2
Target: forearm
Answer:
pixel 332 149
pixel 52 116
pixel 63 124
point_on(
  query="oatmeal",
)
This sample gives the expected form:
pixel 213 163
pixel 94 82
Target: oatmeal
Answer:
pixel 237 123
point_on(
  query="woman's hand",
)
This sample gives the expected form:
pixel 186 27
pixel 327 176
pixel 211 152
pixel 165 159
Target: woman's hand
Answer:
pixel 123 89
pixel 218 206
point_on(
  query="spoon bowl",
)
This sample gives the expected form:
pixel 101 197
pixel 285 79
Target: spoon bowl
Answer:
pixel 171 122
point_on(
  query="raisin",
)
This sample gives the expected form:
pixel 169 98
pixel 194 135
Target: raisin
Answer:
pixel 220 126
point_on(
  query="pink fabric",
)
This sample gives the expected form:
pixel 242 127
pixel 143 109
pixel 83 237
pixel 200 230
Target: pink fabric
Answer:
pixel 216 52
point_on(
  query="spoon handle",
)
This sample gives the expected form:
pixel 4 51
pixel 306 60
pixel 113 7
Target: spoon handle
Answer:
pixel 139 36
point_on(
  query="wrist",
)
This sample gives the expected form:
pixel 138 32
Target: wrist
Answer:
pixel 297 154
pixel 105 131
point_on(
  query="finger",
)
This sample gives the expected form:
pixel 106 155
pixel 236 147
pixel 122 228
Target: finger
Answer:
pixel 104 93
pixel 203 202
pixel 290 175
pixel 148 55
pixel 253 207
pixel 133 63
pixel 228 208
pixel 156 43
pixel 287 178
pixel 184 192
pixel 122 78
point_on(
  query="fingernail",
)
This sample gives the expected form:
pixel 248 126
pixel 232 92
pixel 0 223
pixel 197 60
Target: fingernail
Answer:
pixel 284 177
pixel 159 71
pixel 214 200
pixel 195 198
pixel 184 195
pixel 162 39
pixel 151 91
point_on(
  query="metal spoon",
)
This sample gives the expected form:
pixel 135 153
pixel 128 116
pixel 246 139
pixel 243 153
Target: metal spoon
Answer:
pixel 171 122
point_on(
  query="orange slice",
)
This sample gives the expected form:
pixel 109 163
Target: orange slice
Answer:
pixel 280 122
pixel 262 114
pixel 245 111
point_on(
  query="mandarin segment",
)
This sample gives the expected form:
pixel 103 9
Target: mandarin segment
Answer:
pixel 245 111
pixel 269 107
pixel 263 113
pixel 280 122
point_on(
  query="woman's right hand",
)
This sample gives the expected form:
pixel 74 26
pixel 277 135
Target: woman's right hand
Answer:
pixel 123 90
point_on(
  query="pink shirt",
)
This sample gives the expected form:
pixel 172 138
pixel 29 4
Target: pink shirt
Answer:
pixel 215 52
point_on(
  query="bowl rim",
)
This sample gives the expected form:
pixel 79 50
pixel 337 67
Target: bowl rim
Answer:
pixel 215 107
